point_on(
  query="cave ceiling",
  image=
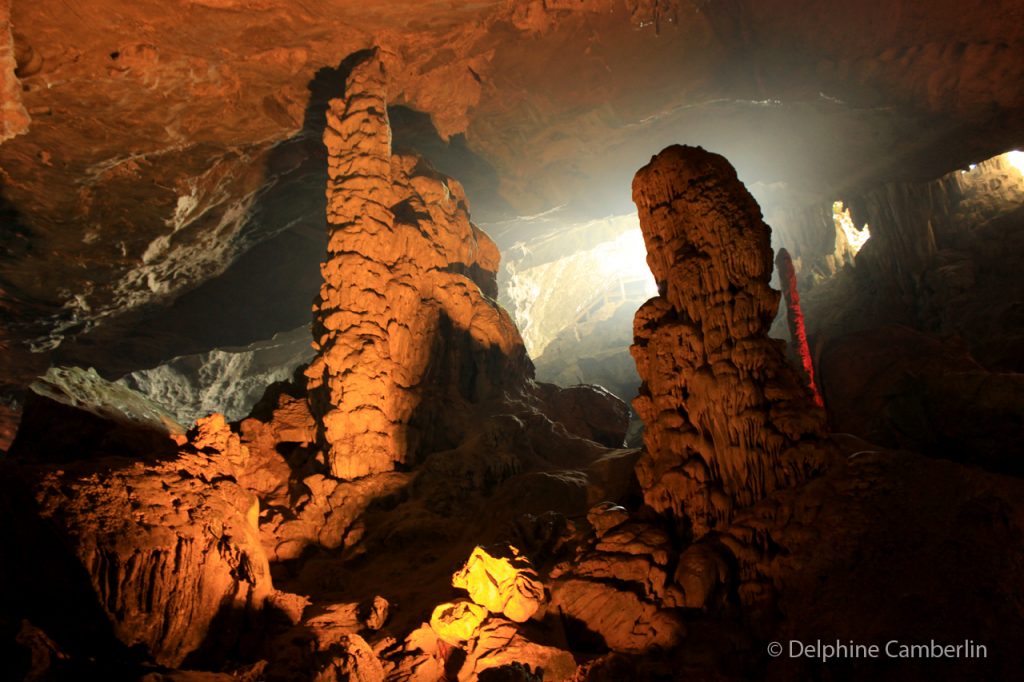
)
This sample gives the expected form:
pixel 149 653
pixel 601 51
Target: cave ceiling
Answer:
pixel 167 142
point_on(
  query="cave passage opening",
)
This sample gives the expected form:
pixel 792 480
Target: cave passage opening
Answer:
pixel 573 289
pixel 856 237
pixel 1015 158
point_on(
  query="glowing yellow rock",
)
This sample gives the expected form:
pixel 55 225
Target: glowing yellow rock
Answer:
pixel 505 584
pixel 457 622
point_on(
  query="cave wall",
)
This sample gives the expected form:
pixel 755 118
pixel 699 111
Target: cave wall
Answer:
pixel 14 120
pixel 936 252
pixel 160 131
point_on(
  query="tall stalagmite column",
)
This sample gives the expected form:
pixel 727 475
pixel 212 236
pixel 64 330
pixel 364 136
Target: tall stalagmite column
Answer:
pixel 406 329
pixel 727 418
pixel 795 320
pixel 352 346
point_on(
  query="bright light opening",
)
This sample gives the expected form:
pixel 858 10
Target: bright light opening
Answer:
pixel 575 277
pixel 856 238
pixel 619 275
pixel 624 261
pixel 1016 159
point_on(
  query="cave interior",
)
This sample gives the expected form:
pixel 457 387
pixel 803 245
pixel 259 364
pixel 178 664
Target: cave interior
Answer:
pixel 522 340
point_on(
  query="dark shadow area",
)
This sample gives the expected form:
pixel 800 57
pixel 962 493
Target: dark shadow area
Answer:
pixel 45 584
pixel 53 432
pixel 580 638
pixel 460 373
pixel 15 236
pixel 235 634
pixel 21 318
pixel 902 389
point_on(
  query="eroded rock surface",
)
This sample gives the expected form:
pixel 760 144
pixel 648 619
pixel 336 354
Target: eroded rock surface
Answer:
pixel 406 303
pixel 502 581
pixel 225 380
pixel 164 553
pixel 14 120
pixel 727 418
pixel 589 411
pixel 70 413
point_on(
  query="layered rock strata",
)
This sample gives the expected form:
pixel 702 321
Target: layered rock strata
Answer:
pixel 728 420
pixel 406 305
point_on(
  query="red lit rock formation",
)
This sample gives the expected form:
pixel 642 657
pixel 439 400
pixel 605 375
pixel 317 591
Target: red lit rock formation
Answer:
pixel 404 307
pixel 727 419
pixel 795 319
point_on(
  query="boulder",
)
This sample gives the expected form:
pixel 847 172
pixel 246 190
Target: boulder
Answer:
pixel 168 551
pixel 457 622
pixel 624 622
pixel 503 581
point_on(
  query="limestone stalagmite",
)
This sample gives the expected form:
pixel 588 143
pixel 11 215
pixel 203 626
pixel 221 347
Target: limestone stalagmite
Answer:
pixel 795 319
pixel 351 367
pixel 406 305
pixel 727 417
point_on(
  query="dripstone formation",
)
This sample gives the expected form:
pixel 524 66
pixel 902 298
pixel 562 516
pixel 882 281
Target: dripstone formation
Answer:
pixel 727 418
pixel 406 305
pixel 795 320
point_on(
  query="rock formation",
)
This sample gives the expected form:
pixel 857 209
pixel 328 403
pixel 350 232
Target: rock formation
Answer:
pixel 71 413
pixel 226 380
pixel 14 120
pixel 614 582
pixel 167 197
pixel 406 306
pixel 163 553
pixel 727 419
pixel 900 388
pixel 795 320
pixel 166 553
pixel 502 581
